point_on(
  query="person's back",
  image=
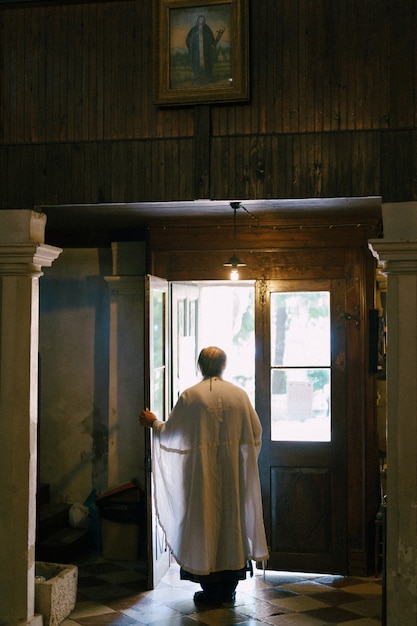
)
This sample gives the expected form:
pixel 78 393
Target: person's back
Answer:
pixel 206 478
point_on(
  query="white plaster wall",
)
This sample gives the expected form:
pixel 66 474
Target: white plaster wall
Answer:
pixel 74 374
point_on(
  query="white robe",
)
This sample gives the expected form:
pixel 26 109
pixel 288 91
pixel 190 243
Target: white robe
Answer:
pixel 206 478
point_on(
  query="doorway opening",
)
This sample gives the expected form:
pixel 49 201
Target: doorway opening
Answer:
pixel 213 313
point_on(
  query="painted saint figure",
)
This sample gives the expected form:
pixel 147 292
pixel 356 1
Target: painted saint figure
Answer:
pixel 202 49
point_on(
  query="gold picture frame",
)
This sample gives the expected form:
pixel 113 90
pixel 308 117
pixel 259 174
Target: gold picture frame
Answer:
pixel 201 51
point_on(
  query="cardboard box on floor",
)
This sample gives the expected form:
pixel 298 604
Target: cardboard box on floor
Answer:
pixel 121 542
pixel 122 521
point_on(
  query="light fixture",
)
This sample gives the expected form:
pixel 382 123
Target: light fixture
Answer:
pixel 234 262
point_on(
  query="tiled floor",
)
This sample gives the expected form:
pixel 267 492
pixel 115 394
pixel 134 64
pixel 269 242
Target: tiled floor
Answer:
pixel 112 592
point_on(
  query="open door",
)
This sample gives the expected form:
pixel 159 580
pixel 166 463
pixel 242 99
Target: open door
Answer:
pixel 156 398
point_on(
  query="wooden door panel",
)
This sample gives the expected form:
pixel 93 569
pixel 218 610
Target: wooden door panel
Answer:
pixel 301 512
pixel 304 483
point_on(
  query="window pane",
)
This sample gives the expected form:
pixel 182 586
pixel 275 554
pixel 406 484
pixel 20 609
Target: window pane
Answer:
pixel 158 318
pixel 300 366
pixel 300 328
pixel 158 392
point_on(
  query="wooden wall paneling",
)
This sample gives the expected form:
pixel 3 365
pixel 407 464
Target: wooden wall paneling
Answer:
pixel 118 170
pixel 147 170
pixel 307 165
pixel 348 53
pixel 158 167
pixel 108 72
pixel 376 48
pixel 289 65
pixel 14 71
pixel 302 78
pixel 35 76
pixel 357 87
pixel 313 165
pixel 298 173
pixel 124 82
pixel 91 172
pixel 335 27
pixel 310 66
pixel 59 59
pixel 36 155
pixel 73 95
pixel 329 52
pixel 2 72
pixel 65 181
pixel 97 106
pixel 397 33
pixel 27 159
pixel 82 70
pixel 263 76
pixel 2 82
pixel 133 172
pixel 268 166
pixel 318 66
pixel 201 157
pixel 243 173
pixel 11 190
pixel 172 167
pixel 222 185
pixel 372 166
pixel 413 166
pixel 276 66
pixel 139 54
pixel 8 74
pixel 55 172
pixel 341 77
pixel 17 101
pixel 104 168
pixel 92 73
pixel 79 156
pixel 186 156
pixel 251 166
pixel 51 46
pixel 240 173
pixel 409 64
pixel 146 89
pixel 230 167
pixel 216 167
pixel 4 178
pixel 398 165
pixel 119 61
pixel 381 85
pixel 280 165
pixel 326 163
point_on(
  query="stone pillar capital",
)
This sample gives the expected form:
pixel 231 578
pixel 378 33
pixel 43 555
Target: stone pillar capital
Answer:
pixel 22 247
pixel 26 258
pixel 395 256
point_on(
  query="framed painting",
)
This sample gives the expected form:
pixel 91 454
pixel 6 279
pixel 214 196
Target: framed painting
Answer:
pixel 201 51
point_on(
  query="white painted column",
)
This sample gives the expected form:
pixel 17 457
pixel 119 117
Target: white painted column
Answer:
pixel 397 254
pixel 22 254
pixel 126 375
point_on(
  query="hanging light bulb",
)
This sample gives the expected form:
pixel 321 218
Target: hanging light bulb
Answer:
pixel 234 262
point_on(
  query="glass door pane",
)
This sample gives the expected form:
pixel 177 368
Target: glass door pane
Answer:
pixel 300 366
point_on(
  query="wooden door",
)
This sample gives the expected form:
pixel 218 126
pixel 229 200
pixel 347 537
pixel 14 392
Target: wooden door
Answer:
pixel 303 476
pixel 156 397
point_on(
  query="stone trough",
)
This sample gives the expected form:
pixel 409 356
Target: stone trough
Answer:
pixel 55 591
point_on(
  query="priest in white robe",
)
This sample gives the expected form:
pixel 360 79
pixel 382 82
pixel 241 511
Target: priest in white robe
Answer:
pixel 206 478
